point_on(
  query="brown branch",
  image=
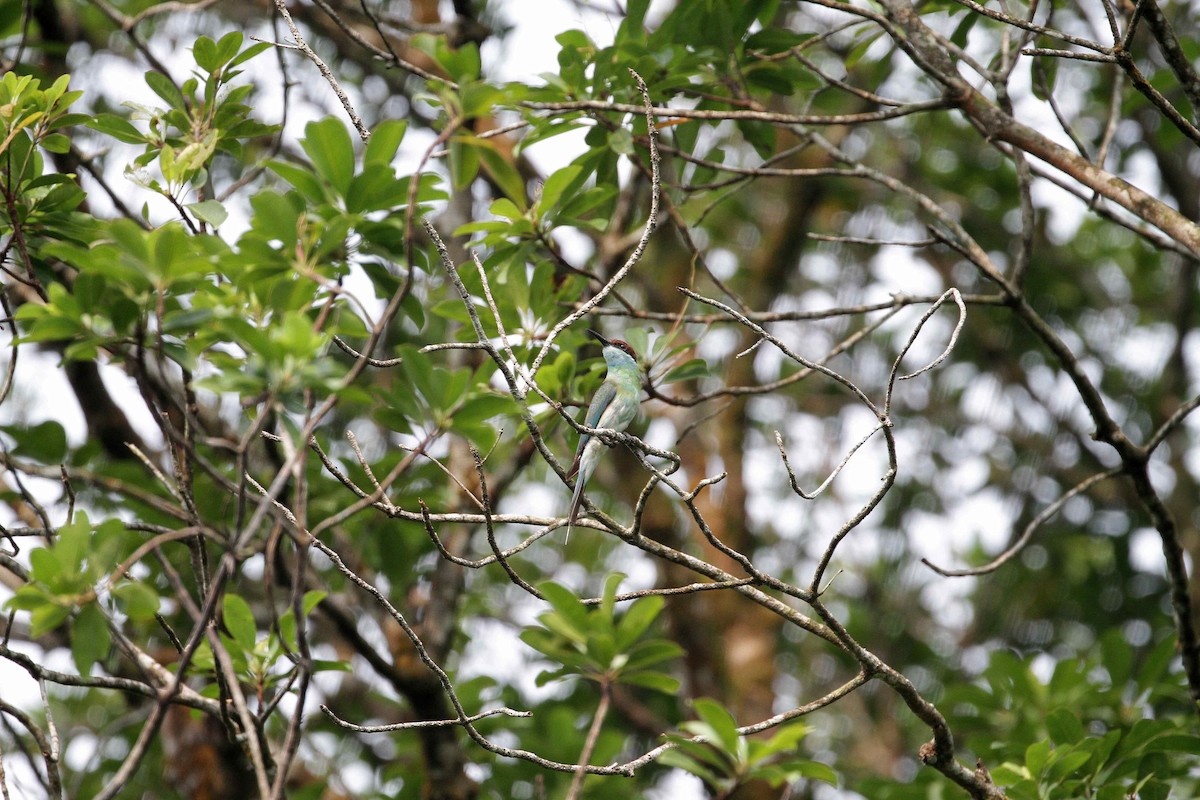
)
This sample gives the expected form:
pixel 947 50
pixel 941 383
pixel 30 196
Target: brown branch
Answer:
pixel 323 68
pixel 923 46
pixel 491 528
pixel 593 736
pixel 940 754
pixel 1179 62
pixel 773 117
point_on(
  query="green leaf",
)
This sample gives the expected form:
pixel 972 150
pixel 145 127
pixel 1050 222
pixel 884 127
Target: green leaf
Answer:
pixel 959 37
pixel 29 597
pixel 650 652
pixel 1105 745
pixel 501 170
pixel 579 209
pixel 559 182
pixel 462 63
pixel 1155 790
pixel 45 442
pixel 165 88
pixel 327 144
pixel 1036 757
pixel 1157 662
pixel 703 751
pixel 249 53
pixel 239 620
pixel 608 596
pixel 636 620
pixel 287 622
pixel 567 605
pixel 464 163
pixel 416 311
pixel 556 648
pixel 187 320
pixel 689 370
pixel 205 53
pixel 506 208
pixel 1175 743
pixel 1064 727
pixel 228 47
pixel 1068 763
pixel 859 50
pixel 1009 774
pixel 311 599
pixel 815 771
pixel 49 328
pixel 45 567
pixel 209 211
pixel 471 418
pixel 384 142
pixel 68 121
pixel 45 618
pixel 301 179
pixel 140 601
pixel 635 18
pixel 680 760
pixel 56 143
pixel 1143 732
pixel 785 739
pixel 544 129
pixel 71 546
pixel 775 78
pixel 721 722
pixel 90 638
pixel 620 141
pixel 775 40
pixel 655 681
pixel 479 99
pixel 578 40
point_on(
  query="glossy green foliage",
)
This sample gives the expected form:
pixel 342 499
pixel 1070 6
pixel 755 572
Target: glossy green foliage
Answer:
pixel 74 579
pixel 1085 737
pixel 205 115
pixel 41 203
pixel 719 754
pixel 597 643
pixel 1080 732
pixel 266 663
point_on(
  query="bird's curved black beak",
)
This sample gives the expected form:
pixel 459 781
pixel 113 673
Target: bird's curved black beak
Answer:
pixel 598 337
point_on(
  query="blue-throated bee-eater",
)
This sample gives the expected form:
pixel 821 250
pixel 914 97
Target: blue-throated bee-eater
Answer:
pixel 614 407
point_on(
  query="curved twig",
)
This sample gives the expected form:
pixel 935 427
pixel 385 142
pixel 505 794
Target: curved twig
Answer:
pixel 1027 534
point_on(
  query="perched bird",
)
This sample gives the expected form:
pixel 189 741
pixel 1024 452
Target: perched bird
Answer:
pixel 614 407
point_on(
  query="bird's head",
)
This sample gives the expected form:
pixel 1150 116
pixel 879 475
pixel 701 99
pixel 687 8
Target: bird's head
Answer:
pixel 615 350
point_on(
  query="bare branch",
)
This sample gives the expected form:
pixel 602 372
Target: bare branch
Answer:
pixel 323 68
pixel 421 723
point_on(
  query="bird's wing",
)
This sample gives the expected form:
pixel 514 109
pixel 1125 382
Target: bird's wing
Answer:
pixel 604 397
pixel 602 400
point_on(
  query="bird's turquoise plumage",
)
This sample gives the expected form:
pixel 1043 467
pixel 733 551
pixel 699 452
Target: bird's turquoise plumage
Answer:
pixel 614 406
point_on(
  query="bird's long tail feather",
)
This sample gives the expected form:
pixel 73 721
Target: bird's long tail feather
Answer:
pixel 576 499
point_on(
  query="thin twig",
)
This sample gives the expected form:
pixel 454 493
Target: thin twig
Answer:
pixel 1027 534
pixel 323 68
pixel 422 723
